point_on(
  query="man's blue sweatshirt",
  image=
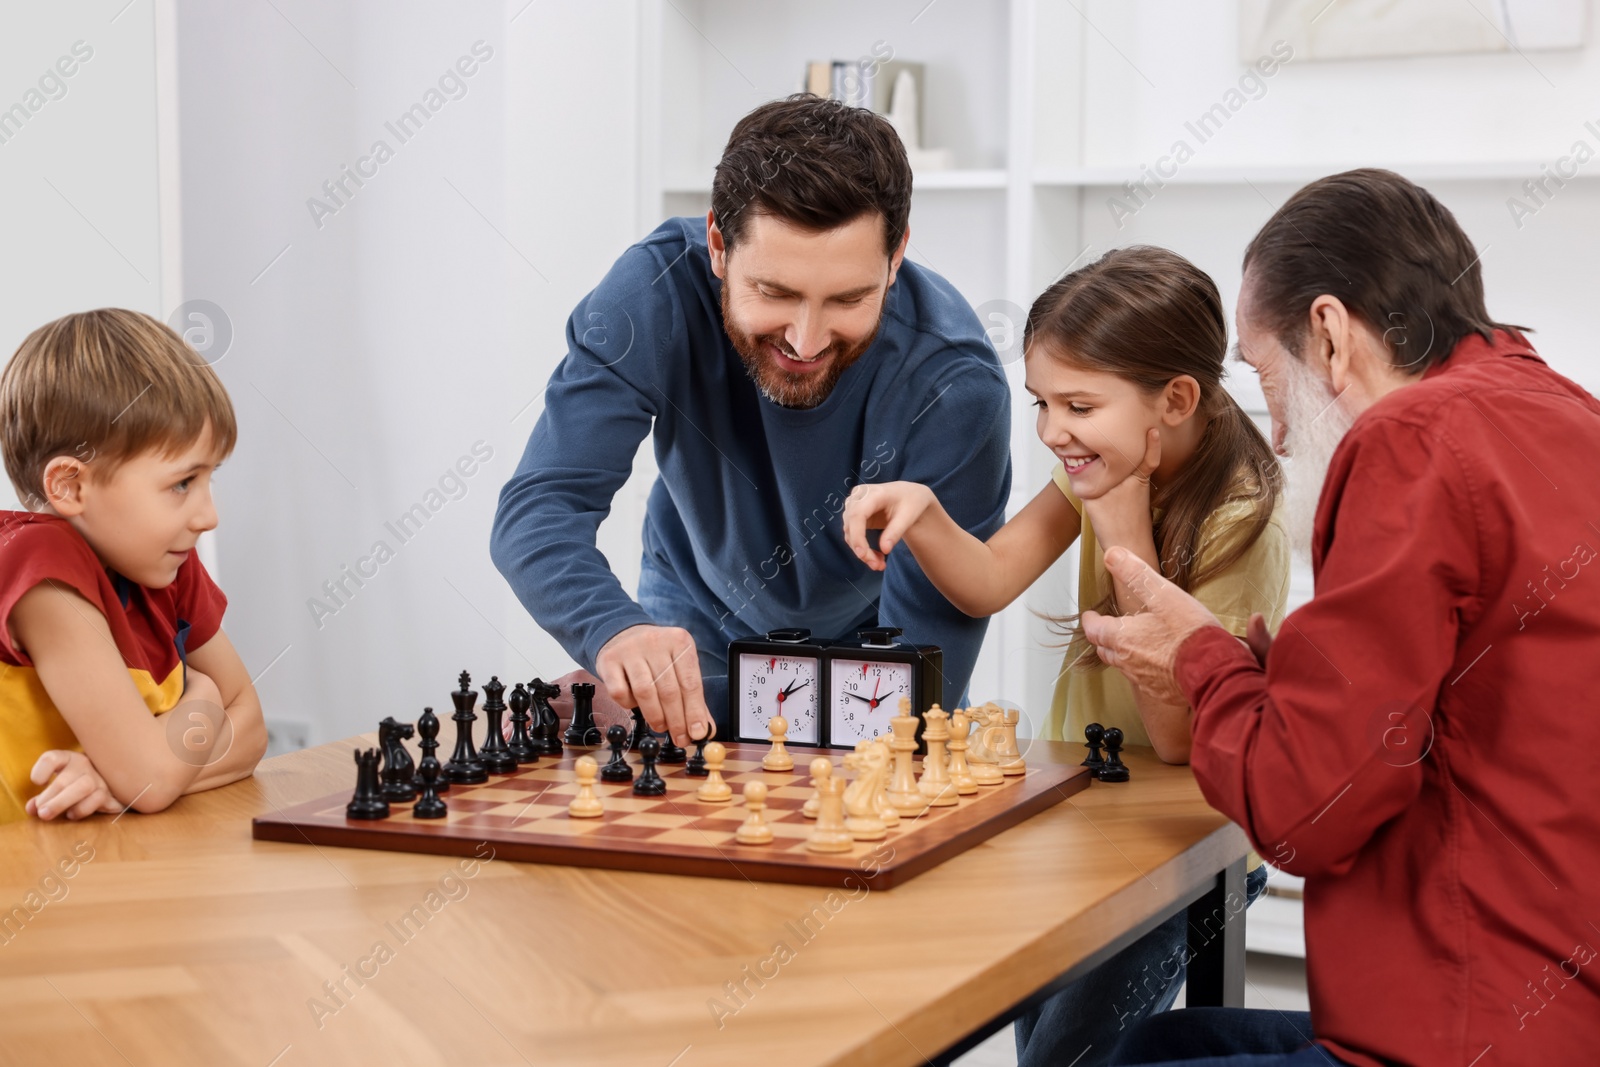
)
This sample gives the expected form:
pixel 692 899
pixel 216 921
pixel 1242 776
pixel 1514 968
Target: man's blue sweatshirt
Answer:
pixel 746 510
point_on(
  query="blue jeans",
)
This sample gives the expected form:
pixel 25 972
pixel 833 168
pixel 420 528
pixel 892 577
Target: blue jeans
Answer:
pixel 1225 1037
pixel 1082 1024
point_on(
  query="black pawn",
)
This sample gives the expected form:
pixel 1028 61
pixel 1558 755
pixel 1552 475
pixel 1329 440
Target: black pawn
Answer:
pixel 464 767
pixel 618 770
pixel 368 802
pixel 641 730
pixel 429 806
pixel 495 755
pixel 697 762
pixel 428 731
pixel 547 725
pixel 581 731
pixel 1114 770
pixel 521 747
pixel 650 784
pixel 671 753
pixel 1093 734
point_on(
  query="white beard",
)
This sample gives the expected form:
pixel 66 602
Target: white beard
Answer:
pixel 1317 423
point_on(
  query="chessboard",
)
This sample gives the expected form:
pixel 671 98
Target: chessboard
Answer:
pixel 523 816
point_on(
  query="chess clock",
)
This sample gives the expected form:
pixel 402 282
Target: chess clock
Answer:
pixel 780 674
pixel 866 679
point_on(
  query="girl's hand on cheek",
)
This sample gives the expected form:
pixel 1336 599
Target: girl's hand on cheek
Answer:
pixel 1121 515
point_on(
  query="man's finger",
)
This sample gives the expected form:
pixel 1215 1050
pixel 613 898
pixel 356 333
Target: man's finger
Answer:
pixel 1101 630
pixel 697 717
pixel 1258 637
pixel 616 682
pixel 1140 578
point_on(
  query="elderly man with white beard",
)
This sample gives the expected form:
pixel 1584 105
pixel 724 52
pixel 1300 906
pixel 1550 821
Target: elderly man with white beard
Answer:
pixel 1420 742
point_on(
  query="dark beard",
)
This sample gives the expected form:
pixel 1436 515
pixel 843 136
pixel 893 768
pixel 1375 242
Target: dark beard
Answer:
pixel 785 388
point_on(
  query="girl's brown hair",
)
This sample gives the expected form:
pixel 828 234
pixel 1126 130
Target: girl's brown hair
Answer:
pixel 1148 315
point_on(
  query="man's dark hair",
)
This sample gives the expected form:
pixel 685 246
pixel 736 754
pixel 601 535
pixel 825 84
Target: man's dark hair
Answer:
pixel 1387 249
pixel 816 164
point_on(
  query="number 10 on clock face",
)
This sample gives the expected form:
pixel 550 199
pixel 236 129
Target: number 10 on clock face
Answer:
pixel 772 685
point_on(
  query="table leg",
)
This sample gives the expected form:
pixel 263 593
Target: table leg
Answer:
pixel 1216 943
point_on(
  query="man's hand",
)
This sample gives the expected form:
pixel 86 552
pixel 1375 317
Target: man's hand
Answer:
pixel 892 507
pixel 75 788
pixel 1144 646
pixel 655 669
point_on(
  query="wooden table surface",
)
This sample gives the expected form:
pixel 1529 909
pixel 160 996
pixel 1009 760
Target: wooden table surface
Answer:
pixel 176 938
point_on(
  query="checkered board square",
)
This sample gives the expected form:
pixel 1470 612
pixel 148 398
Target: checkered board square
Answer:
pixel 523 816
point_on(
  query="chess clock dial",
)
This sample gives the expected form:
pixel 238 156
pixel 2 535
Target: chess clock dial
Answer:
pixel 868 677
pixel 865 694
pixel 778 675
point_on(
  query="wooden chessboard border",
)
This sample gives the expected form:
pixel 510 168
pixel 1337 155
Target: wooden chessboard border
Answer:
pixel 916 848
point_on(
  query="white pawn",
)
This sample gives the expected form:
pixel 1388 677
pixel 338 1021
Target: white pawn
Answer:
pixel 821 768
pixel 586 805
pixel 754 830
pixel 714 790
pixel 777 758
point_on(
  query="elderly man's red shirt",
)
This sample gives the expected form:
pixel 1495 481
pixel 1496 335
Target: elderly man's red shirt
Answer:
pixel 1423 744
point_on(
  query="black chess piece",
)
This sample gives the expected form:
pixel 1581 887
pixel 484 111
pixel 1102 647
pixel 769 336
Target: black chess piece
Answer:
pixel 671 754
pixel 547 724
pixel 398 770
pixel 428 805
pixel 495 755
pixel 582 731
pixel 368 802
pixel 521 746
pixel 1093 734
pixel 428 731
pixel 697 762
pixel 650 784
pixel 641 730
pixel 464 767
pixel 1114 770
pixel 618 770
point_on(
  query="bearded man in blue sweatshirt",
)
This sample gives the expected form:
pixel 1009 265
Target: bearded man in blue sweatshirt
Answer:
pixel 778 352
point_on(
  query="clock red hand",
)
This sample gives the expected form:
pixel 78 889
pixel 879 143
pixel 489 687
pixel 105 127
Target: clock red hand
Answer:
pixel 875 687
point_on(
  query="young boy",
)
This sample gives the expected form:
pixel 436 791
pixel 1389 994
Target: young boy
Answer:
pixel 118 688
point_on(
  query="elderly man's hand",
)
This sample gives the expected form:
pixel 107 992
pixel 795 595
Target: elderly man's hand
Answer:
pixel 1145 645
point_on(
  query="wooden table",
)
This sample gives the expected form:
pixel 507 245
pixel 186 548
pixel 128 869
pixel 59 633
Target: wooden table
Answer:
pixel 178 939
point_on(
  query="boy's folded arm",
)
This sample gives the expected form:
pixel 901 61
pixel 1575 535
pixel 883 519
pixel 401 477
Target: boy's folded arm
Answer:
pixel 981 577
pixel 78 663
pixel 218 659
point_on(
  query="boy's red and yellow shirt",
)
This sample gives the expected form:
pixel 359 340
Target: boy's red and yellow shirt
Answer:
pixel 154 629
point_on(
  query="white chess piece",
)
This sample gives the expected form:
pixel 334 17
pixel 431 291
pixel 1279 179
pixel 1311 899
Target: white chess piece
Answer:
pixel 714 790
pixel 586 805
pixel 861 795
pixel 777 758
pixel 821 768
pixel 754 830
pixel 830 835
pixel 935 783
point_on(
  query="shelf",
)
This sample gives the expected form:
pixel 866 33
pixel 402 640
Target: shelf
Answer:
pixel 995 178
pixel 1294 174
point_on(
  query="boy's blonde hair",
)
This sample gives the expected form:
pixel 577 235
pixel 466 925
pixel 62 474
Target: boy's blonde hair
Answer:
pixel 105 386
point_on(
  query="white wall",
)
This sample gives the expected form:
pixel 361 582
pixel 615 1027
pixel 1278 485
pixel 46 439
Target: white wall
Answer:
pixel 420 319
pixel 79 178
